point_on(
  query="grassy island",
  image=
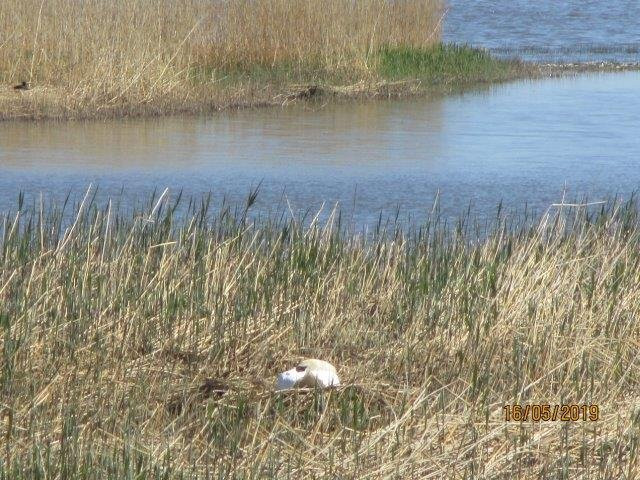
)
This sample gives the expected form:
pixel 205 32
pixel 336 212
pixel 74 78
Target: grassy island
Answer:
pixel 103 58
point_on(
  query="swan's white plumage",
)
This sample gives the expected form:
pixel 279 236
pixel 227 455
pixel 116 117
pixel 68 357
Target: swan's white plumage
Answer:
pixel 309 373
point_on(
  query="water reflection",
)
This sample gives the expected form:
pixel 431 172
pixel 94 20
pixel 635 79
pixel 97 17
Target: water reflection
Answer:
pixel 347 135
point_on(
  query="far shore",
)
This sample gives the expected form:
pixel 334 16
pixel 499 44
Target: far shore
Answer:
pixel 106 59
pixel 43 102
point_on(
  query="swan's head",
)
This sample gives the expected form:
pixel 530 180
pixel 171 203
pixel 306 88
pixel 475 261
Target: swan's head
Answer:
pixel 309 373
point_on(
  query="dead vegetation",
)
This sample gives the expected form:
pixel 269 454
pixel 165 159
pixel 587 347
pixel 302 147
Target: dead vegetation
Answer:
pixel 112 58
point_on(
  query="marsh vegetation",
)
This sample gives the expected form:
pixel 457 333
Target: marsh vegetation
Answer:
pixel 145 344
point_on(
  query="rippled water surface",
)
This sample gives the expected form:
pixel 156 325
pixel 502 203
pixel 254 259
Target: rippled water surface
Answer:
pixel 548 30
pixel 520 143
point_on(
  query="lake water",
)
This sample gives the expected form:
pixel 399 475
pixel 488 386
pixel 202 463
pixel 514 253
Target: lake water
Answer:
pixel 548 30
pixel 520 143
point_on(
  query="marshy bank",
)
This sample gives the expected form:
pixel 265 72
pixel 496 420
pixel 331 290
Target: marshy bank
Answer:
pixel 145 345
pixel 109 59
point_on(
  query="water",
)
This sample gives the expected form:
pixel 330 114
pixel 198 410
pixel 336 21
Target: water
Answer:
pixel 520 143
pixel 548 30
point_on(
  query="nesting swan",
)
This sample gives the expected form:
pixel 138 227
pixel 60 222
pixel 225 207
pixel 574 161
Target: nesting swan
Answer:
pixel 308 373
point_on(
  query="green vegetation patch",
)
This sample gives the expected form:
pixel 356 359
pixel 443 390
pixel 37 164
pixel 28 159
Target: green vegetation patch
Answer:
pixel 444 62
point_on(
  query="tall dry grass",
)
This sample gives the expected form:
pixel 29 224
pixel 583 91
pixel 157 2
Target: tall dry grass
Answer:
pixel 145 345
pixel 104 53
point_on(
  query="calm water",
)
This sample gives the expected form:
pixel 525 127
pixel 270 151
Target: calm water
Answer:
pixel 549 30
pixel 522 143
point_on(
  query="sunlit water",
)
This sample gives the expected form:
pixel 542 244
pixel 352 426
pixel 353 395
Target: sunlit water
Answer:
pixel 548 30
pixel 522 143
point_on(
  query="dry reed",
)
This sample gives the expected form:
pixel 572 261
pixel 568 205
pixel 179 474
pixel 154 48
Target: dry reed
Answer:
pixel 144 346
pixel 102 55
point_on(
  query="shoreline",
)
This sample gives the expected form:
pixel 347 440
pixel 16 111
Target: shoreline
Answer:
pixel 39 102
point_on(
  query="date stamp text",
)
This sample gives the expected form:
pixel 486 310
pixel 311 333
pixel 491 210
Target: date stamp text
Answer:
pixel 551 413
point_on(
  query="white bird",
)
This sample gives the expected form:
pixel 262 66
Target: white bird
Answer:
pixel 309 373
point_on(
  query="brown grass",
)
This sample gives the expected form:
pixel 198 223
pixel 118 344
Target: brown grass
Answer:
pixel 117 56
pixel 132 346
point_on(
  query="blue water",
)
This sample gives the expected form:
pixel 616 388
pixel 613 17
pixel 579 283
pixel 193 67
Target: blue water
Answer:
pixel 548 30
pixel 523 143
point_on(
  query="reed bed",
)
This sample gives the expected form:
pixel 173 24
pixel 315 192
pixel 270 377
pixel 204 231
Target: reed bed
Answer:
pixel 144 344
pixel 156 55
